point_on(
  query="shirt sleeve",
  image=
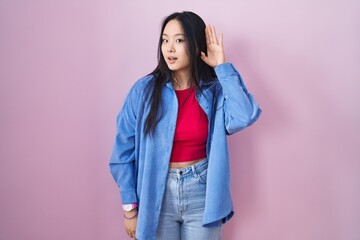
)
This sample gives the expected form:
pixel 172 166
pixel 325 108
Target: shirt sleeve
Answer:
pixel 122 161
pixel 240 108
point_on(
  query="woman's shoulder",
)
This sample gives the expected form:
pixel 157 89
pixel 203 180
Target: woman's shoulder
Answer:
pixel 140 84
pixel 210 84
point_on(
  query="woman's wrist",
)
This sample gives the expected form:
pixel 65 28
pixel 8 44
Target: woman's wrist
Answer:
pixel 220 63
pixel 131 214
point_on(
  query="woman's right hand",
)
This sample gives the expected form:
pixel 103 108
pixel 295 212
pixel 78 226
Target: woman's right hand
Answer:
pixel 130 224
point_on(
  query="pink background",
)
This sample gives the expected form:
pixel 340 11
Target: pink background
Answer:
pixel 65 67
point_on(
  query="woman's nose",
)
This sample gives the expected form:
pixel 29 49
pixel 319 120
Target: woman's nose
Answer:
pixel 171 48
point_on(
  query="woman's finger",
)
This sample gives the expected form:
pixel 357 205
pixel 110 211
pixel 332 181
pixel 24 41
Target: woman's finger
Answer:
pixel 207 37
pixel 215 39
pixel 211 36
pixel 211 33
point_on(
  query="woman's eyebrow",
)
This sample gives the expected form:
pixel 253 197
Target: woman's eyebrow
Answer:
pixel 178 34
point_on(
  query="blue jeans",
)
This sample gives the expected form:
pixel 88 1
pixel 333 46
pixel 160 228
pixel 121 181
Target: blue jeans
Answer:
pixel 183 205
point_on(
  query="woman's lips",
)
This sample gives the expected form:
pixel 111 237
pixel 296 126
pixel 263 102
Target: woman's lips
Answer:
pixel 172 60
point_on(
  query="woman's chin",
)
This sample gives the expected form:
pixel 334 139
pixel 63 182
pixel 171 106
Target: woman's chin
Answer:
pixel 172 67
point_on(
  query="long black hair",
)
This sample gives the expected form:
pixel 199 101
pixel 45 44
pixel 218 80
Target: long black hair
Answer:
pixel 194 30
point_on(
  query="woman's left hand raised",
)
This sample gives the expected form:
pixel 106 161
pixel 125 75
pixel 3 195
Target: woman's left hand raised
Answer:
pixel 215 49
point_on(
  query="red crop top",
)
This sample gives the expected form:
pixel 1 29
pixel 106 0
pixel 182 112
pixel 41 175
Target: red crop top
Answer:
pixel 191 128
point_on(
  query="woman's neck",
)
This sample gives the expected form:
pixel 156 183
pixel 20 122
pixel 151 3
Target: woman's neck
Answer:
pixel 181 81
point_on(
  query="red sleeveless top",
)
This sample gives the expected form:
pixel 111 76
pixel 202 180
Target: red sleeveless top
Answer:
pixel 191 131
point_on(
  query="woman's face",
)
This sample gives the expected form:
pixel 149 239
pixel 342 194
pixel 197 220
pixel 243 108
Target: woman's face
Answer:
pixel 174 48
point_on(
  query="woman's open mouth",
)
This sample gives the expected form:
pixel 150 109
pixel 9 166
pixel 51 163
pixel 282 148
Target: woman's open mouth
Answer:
pixel 172 60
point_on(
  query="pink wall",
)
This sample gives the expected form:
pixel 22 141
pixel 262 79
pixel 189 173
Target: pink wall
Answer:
pixel 65 67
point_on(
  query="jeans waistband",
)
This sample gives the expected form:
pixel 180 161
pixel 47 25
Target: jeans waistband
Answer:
pixel 189 170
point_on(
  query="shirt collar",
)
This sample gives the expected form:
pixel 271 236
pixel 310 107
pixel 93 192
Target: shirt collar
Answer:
pixel 202 83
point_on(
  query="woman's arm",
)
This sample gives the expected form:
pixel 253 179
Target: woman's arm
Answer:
pixel 240 108
pixel 122 161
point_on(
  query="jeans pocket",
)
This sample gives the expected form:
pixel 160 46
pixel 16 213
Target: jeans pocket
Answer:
pixel 203 176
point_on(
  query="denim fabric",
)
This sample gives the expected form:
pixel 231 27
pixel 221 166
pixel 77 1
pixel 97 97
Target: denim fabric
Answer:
pixel 184 204
pixel 139 163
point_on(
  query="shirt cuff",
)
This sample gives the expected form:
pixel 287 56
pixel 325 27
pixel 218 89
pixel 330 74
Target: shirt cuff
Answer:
pixel 224 70
pixel 128 196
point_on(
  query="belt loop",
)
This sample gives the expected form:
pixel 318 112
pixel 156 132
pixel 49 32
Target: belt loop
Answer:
pixel 194 171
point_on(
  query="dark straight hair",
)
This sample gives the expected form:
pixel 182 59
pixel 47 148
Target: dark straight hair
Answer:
pixel 194 30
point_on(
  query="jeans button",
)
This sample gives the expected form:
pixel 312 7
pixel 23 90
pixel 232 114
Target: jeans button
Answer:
pixel 180 172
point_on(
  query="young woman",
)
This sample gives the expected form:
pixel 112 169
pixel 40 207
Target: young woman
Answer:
pixel 170 157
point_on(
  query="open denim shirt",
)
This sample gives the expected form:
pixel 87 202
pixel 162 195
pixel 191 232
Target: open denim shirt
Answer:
pixel 139 163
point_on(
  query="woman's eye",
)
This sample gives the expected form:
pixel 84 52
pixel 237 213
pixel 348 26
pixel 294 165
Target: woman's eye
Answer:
pixel 179 40
pixel 164 40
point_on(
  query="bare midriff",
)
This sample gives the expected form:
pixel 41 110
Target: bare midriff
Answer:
pixel 184 164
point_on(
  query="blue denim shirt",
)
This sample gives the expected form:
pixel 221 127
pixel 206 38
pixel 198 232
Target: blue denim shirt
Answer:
pixel 139 163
